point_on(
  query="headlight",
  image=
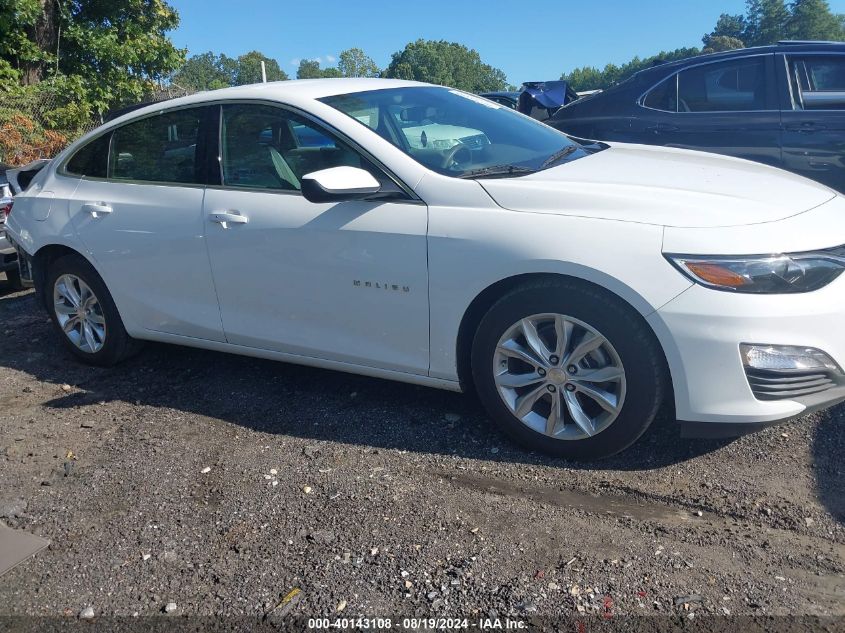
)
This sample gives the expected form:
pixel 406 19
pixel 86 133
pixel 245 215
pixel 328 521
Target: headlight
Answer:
pixel 764 274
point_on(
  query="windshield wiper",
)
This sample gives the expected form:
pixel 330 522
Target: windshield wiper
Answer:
pixel 498 170
pixel 563 153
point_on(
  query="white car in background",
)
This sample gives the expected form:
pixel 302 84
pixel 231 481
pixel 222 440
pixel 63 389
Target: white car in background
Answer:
pixel 576 288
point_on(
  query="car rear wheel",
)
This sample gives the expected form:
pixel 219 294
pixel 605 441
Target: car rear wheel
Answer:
pixel 568 370
pixel 84 313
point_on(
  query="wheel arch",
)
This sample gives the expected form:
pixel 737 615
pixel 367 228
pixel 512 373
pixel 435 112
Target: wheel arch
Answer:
pixel 484 300
pixel 41 261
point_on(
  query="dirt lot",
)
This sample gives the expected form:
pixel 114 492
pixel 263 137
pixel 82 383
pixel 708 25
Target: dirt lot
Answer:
pixel 221 483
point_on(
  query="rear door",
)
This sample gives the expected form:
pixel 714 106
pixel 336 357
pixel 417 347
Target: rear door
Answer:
pixel 141 221
pixel 727 107
pixel 814 116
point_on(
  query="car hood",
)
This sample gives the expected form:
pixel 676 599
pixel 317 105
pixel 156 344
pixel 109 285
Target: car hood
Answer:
pixel 664 186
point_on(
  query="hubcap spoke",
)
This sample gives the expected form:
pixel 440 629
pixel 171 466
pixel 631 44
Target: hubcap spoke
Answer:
pixel 605 374
pixel 580 418
pixel 605 400
pixel 514 381
pixel 525 403
pixel 555 418
pixel 563 332
pixel 514 350
pixel 559 376
pixel 68 292
pixel 532 337
pixel 70 325
pixel 589 343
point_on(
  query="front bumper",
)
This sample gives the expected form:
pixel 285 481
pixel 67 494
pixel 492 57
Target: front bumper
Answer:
pixel 701 331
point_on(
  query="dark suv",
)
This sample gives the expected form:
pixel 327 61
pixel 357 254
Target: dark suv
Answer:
pixel 783 105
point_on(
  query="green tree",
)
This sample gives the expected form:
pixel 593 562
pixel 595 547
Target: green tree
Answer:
pixel 813 20
pixel 332 72
pixel 353 62
pixel 246 69
pixel 205 71
pixel 118 50
pixel 719 43
pixel 591 78
pixel 727 25
pixel 309 69
pixel 447 64
pixel 766 22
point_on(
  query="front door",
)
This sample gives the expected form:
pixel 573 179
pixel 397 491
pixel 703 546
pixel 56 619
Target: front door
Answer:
pixel 143 226
pixel 814 118
pixel 343 281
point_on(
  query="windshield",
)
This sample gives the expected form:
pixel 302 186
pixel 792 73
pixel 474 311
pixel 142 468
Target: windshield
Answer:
pixel 458 134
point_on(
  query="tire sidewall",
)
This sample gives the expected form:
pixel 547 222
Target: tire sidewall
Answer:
pixel 617 323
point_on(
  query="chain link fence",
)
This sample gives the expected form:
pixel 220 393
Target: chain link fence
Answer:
pixel 41 124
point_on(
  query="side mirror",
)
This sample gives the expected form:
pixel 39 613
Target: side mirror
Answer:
pixel 338 183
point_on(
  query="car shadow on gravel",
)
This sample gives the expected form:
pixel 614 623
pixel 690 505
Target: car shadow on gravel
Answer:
pixel 828 454
pixel 315 404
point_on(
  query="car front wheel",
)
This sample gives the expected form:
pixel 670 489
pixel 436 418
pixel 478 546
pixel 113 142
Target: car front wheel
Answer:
pixel 568 370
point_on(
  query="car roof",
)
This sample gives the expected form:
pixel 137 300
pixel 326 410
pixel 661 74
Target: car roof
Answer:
pixel 291 91
pixel 785 46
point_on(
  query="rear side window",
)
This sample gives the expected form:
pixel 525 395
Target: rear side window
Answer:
pixel 818 82
pixel 161 148
pixel 731 86
pixel 664 96
pixel 91 160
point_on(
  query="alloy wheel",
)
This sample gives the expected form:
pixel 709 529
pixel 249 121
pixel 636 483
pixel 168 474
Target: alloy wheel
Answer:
pixel 79 313
pixel 559 376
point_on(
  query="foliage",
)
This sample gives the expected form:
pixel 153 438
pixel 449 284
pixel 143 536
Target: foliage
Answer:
pixel 813 20
pixel 23 140
pixel 445 63
pixel 354 62
pixel 310 69
pixel 591 78
pixel 205 71
pixel 719 43
pixel 246 69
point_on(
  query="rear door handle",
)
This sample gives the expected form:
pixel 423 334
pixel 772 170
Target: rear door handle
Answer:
pixel 224 218
pixel 96 209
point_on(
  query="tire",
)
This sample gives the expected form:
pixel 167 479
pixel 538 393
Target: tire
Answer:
pixel 114 344
pixel 13 278
pixel 582 313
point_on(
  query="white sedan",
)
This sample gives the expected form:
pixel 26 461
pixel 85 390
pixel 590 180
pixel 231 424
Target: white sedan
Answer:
pixel 423 234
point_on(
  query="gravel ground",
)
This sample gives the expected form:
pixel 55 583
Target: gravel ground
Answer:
pixel 197 483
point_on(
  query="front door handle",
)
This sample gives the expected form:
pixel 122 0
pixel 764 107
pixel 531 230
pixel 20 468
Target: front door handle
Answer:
pixel 96 209
pixel 224 218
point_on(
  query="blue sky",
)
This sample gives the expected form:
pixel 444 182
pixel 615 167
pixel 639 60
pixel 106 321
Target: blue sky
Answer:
pixel 528 40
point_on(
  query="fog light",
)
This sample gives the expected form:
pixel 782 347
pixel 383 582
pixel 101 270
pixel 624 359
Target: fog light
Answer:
pixel 786 358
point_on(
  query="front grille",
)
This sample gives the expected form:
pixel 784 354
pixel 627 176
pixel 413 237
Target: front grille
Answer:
pixel 780 385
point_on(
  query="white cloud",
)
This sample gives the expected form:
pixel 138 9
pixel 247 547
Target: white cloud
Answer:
pixel 295 61
pixel 331 59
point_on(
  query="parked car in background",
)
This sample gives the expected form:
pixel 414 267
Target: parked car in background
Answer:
pixel 8 254
pixel 574 286
pixel 541 99
pixel 782 105
pixel 505 98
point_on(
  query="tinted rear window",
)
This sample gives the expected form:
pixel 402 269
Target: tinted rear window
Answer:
pixel 91 160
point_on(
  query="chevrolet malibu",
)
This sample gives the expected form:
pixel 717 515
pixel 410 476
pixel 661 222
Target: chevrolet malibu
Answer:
pixel 418 233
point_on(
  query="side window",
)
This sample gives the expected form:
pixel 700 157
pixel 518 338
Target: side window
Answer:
pixel 90 160
pixel 732 86
pixel 664 96
pixel 819 81
pixel 160 148
pixel 266 147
